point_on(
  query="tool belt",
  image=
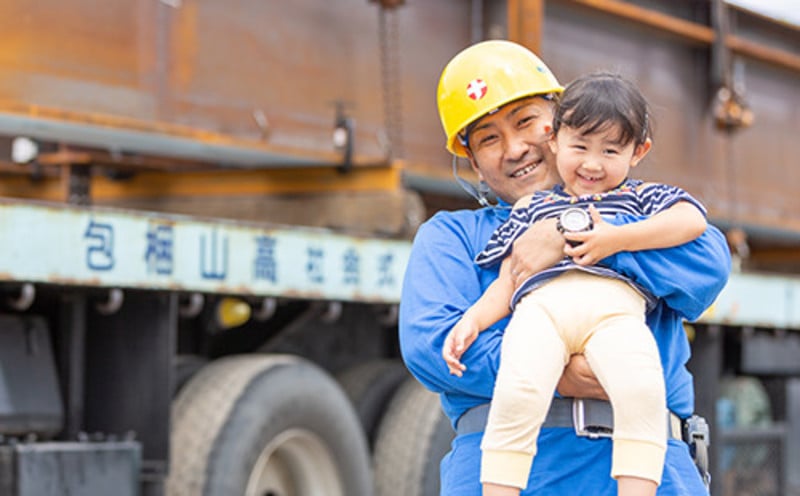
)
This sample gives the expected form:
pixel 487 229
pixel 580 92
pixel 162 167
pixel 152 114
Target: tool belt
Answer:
pixel 589 417
pixel 595 419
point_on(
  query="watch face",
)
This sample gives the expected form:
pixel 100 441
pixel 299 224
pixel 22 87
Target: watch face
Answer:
pixel 575 220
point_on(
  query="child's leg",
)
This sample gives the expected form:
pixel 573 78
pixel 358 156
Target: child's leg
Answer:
pixel 532 358
pixel 634 486
pixel 490 489
pixel 624 356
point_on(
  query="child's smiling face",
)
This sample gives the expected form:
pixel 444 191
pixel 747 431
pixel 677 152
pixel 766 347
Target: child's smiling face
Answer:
pixel 596 162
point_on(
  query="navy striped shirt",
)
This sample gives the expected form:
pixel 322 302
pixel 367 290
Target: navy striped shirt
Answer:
pixel 632 197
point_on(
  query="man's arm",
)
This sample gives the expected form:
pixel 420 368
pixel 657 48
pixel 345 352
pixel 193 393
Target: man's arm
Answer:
pixel 687 277
pixel 678 224
pixel 441 282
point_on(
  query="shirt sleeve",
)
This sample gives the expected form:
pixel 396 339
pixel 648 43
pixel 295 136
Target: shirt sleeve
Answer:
pixel 440 283
pixel 655 197
pixel 502 240
pixel 688 277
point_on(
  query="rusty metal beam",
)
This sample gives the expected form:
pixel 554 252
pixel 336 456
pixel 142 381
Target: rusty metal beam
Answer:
pixel 232 182
pixel 686 29
pixel 763 53
pixel 154 184
pixel 525 23
pixel 693 32
pixel 776 256
pixel 157 139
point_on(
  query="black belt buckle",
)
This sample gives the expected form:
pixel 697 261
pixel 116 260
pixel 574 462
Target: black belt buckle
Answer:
pixel 584 422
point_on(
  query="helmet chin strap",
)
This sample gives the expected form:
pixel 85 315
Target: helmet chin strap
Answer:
pixel 478 193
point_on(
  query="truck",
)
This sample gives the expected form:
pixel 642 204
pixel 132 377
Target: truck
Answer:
pixel 207 209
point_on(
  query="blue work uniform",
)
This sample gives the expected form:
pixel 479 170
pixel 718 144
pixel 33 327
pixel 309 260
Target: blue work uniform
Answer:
pixel 442 281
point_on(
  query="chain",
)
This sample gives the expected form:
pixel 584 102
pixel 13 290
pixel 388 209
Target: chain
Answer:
pixel 389 34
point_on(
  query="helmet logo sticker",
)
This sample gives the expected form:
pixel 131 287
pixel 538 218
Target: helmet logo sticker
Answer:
pixel 476 89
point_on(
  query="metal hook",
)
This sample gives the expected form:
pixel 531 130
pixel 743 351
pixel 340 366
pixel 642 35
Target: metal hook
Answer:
pixel 389 317
pixel 193 306
pixel 332 313
pixel 267 309
pixel 113 303
pixel 26 297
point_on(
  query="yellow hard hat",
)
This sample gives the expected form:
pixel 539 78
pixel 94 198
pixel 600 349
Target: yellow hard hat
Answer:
pixel 483 78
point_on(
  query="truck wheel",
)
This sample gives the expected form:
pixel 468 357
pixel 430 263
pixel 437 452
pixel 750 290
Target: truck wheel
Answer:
pixel 184 367
pixel 266 425
pixel 412 438
pixel 370 387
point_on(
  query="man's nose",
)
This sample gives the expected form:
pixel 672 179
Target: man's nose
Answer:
pixel 516 146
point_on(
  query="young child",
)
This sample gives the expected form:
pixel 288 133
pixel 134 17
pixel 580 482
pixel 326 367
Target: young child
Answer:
pixel 601 130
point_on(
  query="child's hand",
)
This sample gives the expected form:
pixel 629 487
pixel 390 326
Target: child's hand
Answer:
pixel 460 337
pixel 596 244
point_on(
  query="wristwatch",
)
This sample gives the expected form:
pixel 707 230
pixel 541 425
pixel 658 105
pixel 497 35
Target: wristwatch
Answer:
pixel 574 219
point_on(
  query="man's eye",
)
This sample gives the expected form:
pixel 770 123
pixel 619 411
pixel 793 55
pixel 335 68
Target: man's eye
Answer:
pixel 488 139
pixel 524 121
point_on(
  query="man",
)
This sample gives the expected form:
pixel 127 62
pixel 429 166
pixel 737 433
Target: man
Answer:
pixel 495 103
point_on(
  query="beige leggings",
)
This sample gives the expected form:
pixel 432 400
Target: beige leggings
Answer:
pixel 604 319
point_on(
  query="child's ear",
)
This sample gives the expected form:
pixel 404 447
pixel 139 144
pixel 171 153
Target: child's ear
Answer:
pixel 551 142
pixel 640 151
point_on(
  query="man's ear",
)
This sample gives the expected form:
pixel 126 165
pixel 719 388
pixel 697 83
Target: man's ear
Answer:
pixel 474 164
pixel 640 151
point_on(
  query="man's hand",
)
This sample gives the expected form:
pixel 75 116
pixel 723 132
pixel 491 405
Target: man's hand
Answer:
pixel 540 247
pixel 460 337
pixel 578 380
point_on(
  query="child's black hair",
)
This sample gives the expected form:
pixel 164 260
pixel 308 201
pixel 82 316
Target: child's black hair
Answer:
pixel 599 100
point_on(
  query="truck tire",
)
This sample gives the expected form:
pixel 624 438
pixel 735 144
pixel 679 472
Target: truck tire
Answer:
pixel 259 425
pixel 412 438
pixel 370 387
pixel 183 368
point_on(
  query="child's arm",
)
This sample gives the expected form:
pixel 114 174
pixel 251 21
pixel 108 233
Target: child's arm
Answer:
pixel 490 307
pixel 674 226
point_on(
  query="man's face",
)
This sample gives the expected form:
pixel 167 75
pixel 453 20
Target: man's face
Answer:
pixel 509 149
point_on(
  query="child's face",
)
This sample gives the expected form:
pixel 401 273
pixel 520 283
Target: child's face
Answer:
pixel 594 163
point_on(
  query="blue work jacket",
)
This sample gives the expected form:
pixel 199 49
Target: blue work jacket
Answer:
pixel 442 281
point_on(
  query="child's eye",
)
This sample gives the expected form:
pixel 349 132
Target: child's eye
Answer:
pixel 611 151
pixel 579 147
